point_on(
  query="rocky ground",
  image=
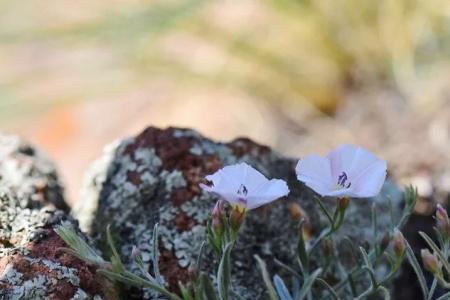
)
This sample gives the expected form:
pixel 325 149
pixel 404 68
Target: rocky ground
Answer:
pixel 139 181
pixel 32 265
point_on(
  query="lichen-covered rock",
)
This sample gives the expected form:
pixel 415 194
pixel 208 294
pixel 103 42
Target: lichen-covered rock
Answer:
pixel 32 265
pixel 27 172
pixel 154 177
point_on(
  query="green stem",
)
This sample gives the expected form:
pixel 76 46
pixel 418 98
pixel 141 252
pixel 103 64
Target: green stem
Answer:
pixel 340 220
pixel 385 292
pixel 356 271
pixel 394 270
pixel 365 293
pixel 337 223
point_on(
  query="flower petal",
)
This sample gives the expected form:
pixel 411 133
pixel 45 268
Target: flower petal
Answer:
pixel 228 196
pixel 233 175
pixel 350 159
pixel 268 192
pixel 222 184
pixel 241 183
pixel 252 179
pixel 364 172
pixel 315 172
pixel 370 181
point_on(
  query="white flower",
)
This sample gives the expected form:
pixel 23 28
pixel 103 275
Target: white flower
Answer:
pixel 348 171
pixel 244 186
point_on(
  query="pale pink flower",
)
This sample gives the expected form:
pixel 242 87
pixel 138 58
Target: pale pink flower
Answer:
pixel 244 186
pixel 347 171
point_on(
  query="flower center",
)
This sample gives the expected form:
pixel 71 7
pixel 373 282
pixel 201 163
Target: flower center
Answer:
pixel 242 191
pixel 343 182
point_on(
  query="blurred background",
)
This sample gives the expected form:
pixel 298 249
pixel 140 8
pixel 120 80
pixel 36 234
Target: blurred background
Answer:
pixel 301 76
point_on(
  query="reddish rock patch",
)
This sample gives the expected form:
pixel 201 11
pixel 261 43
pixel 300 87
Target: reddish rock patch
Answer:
pixel 50 248
pixel 172 271
pixel 175 155
pixel 244 146
pixel 183 222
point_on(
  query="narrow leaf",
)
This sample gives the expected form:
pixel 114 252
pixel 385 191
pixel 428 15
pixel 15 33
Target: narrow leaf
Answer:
pixel 208 287
pixel 270 289
pixel 325 284
pixel 417 269
pixel 116 261
pixel 288 268
pixel 200 256
pixel 155 256
pixel 309 281
pixel 410 201
pixel 224 273
pixel 385 292
pixel 368 266
pixel 295 287
pixel 185 292
pixel 446 296
pixel 301 248
pixel 131 279
pixel 78 247
pixel 282 290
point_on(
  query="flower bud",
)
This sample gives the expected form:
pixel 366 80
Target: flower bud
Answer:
pixel 430 261
pixel 135 253
pixel 384 243
pixel 399 244
pixel 217 216
pixel 297 212
pixel 237 217
pixel 327 247
pixel 218 209
pixel 442 221
pixel 441 213
pixel 343 203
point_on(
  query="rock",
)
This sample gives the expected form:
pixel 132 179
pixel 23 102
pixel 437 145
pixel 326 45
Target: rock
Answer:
pixel 32 265
pixel 154 177
pixel 27 172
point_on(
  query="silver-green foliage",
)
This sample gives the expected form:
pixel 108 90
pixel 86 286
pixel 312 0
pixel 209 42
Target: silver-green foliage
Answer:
pixel 309 282
pixel 308 278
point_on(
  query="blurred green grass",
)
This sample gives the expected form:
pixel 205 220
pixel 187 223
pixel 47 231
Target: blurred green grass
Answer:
pixel 277 51
pixel 76 75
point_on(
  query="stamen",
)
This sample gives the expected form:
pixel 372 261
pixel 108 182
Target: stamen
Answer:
pixel 242 190
pixel 342 180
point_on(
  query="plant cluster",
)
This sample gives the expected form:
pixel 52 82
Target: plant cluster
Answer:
pixel 347 172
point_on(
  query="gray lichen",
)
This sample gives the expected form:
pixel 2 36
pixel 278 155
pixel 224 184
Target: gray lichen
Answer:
pixel 25 275
pixel 31 266
pixel 20 226
pixel 26 171
pixel 40 285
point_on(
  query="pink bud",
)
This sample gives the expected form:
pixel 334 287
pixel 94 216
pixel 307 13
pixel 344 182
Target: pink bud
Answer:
pixel 430 261
pixel 343 203
pixel 218 209
pixel 217 216
pixel 135 252
pixel 399 244
pixel 442 220
pixel 441 213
